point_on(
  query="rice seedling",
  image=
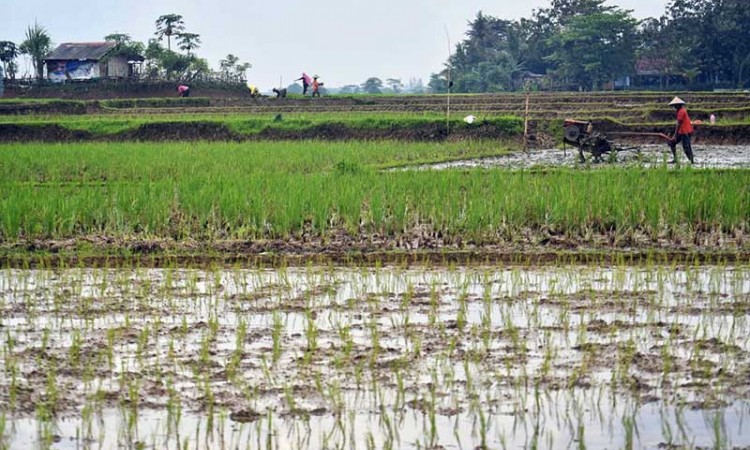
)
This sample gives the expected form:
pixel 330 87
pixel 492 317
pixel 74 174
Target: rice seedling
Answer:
pixel 162 193
pixel 539 346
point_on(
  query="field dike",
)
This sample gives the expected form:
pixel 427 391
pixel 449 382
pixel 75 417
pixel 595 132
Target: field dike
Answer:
pixel 333 131
pixel 419 246
pixel 213 131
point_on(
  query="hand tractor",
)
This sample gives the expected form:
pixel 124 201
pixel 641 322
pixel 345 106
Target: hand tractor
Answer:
pixel 581 134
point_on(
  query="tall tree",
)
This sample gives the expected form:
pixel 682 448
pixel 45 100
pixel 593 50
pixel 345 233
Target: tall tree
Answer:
pixel 189 42
pixel 490 59
pixel 118 38
pixel 373 85
pixel 231 67
pixel 227 64
pixel 438 83
pixel 37 45
pixel 8 55
pixel 595 48
pixel 125 46
pixel 168 25
pixel 395 85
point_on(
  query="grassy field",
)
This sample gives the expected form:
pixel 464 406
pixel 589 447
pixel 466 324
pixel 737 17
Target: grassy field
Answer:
pixel 252 124
pixel 277 190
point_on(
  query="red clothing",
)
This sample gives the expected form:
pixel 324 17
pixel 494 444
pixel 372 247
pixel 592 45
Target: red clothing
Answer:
pixel 685 126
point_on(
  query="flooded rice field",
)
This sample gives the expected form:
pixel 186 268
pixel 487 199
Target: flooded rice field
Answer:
pixel 713 156
pixel 325 357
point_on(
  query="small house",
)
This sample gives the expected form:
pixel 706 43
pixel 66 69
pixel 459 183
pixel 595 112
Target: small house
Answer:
pixel 653 72
pixel 88 60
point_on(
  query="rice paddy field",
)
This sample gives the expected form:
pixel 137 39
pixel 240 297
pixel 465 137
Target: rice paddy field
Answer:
pixel 362 273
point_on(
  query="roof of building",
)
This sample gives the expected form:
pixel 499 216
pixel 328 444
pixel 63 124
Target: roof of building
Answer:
pixel 651 66
pixel 81 51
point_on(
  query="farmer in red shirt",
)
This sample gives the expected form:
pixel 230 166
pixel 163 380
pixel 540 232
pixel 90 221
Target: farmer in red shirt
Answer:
pixel 316 86
pixel 683 132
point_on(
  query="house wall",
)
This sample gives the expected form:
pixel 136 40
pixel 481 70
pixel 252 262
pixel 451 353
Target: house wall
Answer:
pixel 62 70
pixel 117 67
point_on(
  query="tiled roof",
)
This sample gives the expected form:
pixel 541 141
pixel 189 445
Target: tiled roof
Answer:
pixel 651 66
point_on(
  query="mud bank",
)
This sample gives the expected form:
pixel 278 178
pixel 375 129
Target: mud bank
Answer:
pixel 216 131
pixel 212 131
pixel 648 155
pixel 415 248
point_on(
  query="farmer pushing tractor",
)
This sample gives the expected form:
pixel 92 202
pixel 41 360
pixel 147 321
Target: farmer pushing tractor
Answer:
pixel 683 131
pixel 581 134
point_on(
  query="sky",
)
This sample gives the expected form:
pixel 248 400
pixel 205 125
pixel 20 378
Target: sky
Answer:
pixel 343 41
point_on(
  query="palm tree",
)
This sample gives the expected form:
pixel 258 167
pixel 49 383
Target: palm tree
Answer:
pixel 189 41
pixel 167 25
pixel 37 45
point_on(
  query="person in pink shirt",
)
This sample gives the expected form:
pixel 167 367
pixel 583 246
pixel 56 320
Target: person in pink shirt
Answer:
pixel 183 91
pixel 305 78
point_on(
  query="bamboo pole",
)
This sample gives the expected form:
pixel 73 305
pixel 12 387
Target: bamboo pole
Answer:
pixel 526 120
pixel 450 83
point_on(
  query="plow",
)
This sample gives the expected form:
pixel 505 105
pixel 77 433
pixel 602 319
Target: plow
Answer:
pixel 581 135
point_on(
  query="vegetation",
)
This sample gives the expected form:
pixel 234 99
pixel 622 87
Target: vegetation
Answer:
pixel 37 45
pixel 8 54
pixel 167 25
pixel 245 125
pixel 161 63
pixel 585 44
pixel 277 189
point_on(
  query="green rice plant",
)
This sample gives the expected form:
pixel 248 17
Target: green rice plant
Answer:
pixel 231 191
pixel 4 445
pixel 311 336
pixel 74 352
pixel 277 328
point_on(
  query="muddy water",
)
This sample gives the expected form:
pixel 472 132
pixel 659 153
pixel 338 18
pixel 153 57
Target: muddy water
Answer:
pixel 714 156
pixel 392 358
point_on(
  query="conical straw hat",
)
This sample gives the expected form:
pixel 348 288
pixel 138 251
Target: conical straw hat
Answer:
pixel 676 101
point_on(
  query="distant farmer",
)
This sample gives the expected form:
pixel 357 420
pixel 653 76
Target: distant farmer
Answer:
pixel 183 91
pixel 316 87
pixel 254 92
pixel 683 131
pixel 280 93
pixel 305 78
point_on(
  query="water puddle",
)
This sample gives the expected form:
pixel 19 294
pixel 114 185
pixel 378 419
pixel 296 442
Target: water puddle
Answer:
pixel 714 157
pixel 324 357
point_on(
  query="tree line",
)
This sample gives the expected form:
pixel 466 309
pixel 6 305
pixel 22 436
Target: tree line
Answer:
pixel 158 62
pixel 587 45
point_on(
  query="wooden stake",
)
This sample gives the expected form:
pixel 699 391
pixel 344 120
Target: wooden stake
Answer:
pixel 526 121
pixel 448 109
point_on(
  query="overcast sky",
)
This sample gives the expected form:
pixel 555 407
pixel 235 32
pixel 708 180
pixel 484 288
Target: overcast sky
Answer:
pixel 345 41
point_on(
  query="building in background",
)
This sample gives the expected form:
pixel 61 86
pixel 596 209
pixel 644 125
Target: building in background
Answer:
pixel 75 61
